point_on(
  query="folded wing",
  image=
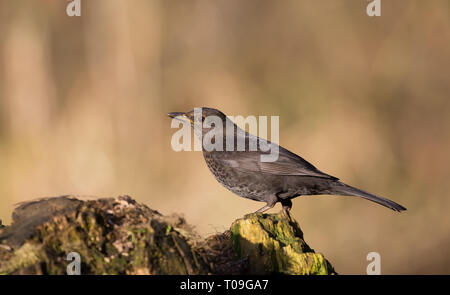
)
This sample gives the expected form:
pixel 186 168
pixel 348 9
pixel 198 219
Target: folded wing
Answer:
pixel 287 163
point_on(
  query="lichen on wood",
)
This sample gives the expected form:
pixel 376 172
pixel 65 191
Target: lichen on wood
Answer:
pixel 121 236
pixel 274 243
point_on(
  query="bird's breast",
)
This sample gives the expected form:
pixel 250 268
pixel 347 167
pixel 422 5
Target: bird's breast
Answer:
pixel 254 186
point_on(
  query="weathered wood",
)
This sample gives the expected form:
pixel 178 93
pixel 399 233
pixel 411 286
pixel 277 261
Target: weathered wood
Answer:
pixel 121 236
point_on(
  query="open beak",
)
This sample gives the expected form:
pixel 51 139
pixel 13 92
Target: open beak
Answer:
pixel 179 116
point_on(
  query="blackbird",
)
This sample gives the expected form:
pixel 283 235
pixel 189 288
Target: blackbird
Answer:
pixel 244 173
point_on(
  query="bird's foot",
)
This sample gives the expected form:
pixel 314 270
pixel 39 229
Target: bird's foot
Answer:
pixel 287 209
pixel 269 205
pixel 263 209
pixel 287 205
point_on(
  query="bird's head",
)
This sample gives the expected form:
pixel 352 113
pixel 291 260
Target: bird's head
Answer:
pixel 204 118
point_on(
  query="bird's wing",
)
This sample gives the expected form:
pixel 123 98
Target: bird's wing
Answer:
pixel 288 163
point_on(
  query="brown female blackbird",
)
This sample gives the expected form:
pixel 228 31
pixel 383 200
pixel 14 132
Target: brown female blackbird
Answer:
pixel 245 173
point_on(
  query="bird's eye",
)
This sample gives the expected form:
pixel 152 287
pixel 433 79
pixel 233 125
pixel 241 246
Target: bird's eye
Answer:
pixel 203 119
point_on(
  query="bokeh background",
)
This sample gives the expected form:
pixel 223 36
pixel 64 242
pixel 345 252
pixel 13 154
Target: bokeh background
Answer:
pixel 83 103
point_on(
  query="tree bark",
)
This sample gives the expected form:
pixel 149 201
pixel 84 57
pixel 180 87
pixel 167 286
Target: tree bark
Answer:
pixel 121 236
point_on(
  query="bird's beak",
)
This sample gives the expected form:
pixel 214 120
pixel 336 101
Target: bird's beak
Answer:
pixel 179 116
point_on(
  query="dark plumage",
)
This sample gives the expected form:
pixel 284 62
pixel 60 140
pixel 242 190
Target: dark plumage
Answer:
pixel 290 176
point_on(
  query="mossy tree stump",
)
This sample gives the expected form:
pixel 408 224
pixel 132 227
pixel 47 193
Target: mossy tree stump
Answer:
pixel 121 236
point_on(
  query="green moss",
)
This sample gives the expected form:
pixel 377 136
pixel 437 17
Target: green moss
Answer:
pixel 274 244
pixel 236 237
pixel 120 236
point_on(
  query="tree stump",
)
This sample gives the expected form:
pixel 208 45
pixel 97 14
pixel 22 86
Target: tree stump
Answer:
pixel 121 236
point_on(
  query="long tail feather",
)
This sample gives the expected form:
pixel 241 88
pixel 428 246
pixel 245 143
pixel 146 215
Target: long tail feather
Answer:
pixel 346 190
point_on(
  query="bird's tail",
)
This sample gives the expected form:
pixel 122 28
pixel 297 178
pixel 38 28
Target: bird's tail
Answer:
pixel 346 190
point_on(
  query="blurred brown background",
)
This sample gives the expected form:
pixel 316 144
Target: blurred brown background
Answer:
pixel 83 103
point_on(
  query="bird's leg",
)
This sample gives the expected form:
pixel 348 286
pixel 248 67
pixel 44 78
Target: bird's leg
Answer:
pixel 287 205
pixel 265 208
pixel 269 204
